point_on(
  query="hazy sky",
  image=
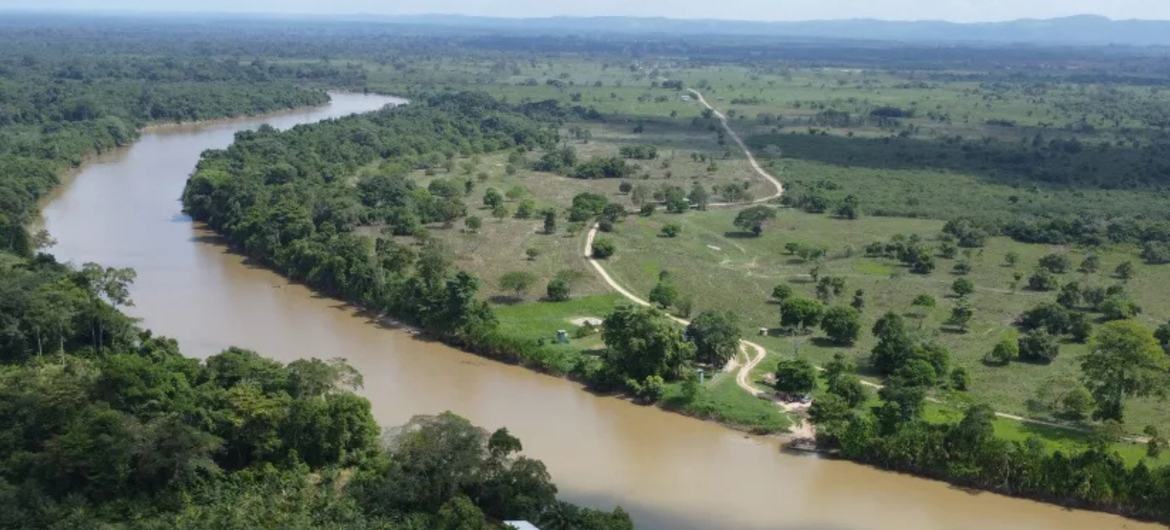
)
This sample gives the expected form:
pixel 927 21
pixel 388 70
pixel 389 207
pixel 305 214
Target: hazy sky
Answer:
pixel 958 10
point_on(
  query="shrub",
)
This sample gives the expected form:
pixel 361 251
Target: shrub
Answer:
pixel 782 292
pixel 960 380
pixel 1055 263
pixel 603 248
pixel 1043 280
pixel 841 324
pixel 557 290
pixel 1038 347
pixel 671 230
pixel 796 376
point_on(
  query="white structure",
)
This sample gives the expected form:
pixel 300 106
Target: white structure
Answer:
pixel 520 525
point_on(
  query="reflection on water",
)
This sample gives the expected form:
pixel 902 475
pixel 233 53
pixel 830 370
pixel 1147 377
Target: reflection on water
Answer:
pixel 668 471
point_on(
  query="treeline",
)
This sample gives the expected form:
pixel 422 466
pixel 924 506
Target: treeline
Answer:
pixel 968 453
pixel 564 161
pixel 287 199
pixel 104 425
pixel 56 110
pixel 1124 361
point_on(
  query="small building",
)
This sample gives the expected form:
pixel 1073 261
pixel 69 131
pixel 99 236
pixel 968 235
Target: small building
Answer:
pixel 520 525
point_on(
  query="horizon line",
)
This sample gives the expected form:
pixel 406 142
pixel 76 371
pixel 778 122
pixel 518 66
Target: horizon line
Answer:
pixel 367 15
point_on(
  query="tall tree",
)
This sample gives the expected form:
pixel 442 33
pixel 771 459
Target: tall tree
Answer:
pixel 642 341
pixel 1124 360
pixel 716 336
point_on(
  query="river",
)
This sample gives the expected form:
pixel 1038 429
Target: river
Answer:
pixel 670 472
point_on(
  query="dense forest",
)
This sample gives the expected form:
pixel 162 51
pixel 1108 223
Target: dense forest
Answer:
pixel 106 425
pixel 294 200
pixel 55 111
pixel 287 199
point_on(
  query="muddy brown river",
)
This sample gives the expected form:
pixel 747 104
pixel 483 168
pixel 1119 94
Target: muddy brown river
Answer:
pixel 668 471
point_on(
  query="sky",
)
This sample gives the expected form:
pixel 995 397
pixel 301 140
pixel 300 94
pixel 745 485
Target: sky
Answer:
pixel 954 10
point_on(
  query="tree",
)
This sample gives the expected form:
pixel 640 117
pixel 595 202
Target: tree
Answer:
pixel 1118 307
pixel 460 513
pixel 1076 403
pixel 557 290
pixel 1038 347
pixel 641 342
pixel 1090 264
pixel 699 196
pixel 795 377
pixel 526 209
pixel 754 218
pixel 960 380
pixel 517 281
pixel 500 212
pixel 473 223
pixel 492 198
pixel 850 207
pixel 550 221
pixel 858 302
pixel 922 303
pixel 664 294
pixel 1011 259
pixel 715 335
pixel 640 194
pixel 1003 353
pixel 830 413
pixel 1162 334
pixel 1043 280
pixel 800 313
pixel 1050 317
pixel 961 315
pixel 603 248
pixel 781 292
pixel 1079 327
pixel 1125 270
pixel 1155 443
pixel 962 287
pixel 1055 263
pixel 1070 295
pixel 841 324
pixel 675 200
pixel 902 403
pixel 613 212
pixel 1124 360
pixel 894 346
pixel 849 388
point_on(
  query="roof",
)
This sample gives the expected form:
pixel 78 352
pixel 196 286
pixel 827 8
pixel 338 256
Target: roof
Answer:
pixel 521 525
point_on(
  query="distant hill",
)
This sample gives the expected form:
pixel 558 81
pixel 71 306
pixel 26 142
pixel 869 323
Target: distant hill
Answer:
pixel 1076 30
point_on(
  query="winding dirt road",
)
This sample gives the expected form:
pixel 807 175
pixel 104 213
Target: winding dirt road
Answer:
pixel 775 182
pixel 754 353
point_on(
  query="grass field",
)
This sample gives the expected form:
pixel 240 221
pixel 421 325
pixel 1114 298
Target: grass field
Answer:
pixel 908 168
pixel 499 246
pixel 724 270
pixel 719 398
